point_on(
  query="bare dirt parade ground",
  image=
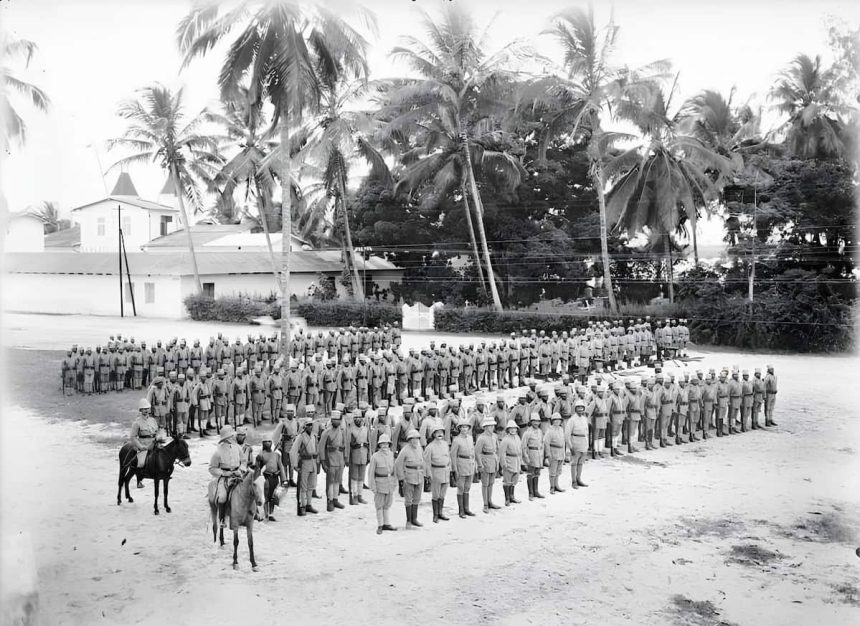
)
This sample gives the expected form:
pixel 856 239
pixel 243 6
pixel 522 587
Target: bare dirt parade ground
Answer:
pixel 758 528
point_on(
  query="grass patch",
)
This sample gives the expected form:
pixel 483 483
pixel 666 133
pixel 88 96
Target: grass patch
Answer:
pixel 826 528
pixel 721 528
pixel 846 593
pixel 696 612
pixel 752 555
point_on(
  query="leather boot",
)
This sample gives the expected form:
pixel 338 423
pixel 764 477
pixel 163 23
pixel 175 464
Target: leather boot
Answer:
pixel 415 521
pixel 507 492
pixel 408 516
pixel 352 499
pixel 538 494
pixel 329 505
pixel 466 505
pixel 531 488
pixel 490 500
pixel 435 511
pixel 557 488
pixel 513 499
pixel 719 427
pixel 486 499
pixel 300 510
pixel 337 504
pixel 442 515
pixel 342 491
pixel 359 499
pixel 460 510
pixel 310 509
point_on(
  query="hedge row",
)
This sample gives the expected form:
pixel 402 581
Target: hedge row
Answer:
pixel 348 313
pixel 486 321
pixel 237 309
pixel 241 309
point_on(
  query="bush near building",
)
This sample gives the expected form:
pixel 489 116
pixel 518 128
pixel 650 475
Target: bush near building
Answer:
pixel 239 309
pixel 348 313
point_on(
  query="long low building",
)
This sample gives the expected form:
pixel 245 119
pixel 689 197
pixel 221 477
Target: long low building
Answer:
pixel 89 283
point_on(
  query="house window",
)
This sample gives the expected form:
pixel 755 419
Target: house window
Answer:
pixel 126 225
pixel 128 289
pixel 149 294
pixel 165 221
pixel 209 290
pixel 100 227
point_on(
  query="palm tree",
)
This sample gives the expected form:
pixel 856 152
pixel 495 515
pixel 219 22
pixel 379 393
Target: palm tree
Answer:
pixel 591 85
pixel 457 92
pixel 158 132
pixel 663 183
pixel 336 139
pixel 246 125
pixel 50 214
pixel 14 128
pixel 281 51
pixel 806 92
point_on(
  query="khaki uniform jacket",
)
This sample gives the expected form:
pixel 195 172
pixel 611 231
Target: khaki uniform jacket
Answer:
pixel 410 466
pixel 554 444
pixel 577 433
pixel 304 450
pixel 487 453
pixel 437 460
pixel 381 472
pixel 735 393
pixel 332 447
pixel 532 441
pixel 462 453
pixel 143 432
pixel 511 453
pixel 227 457
pixel 359 446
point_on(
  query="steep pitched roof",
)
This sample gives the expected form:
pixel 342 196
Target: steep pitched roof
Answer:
pixel 169 188
pixel 124 186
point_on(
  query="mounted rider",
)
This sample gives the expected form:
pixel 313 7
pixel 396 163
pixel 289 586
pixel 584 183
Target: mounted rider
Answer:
pixel 226 466
pixel 145 433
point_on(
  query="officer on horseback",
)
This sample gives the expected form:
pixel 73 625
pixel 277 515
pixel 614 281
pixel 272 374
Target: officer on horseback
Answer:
pixel 225 466
pixel 144 432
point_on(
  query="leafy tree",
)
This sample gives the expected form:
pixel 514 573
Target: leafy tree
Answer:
pixel 50 214
pixel 13 85
pixel 159 132
pixel 282 53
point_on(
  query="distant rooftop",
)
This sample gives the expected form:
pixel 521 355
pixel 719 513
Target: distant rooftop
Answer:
pixel 124 186
pixel 68 238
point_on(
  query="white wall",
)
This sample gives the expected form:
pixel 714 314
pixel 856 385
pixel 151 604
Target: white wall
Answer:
pixel 140 226
pixel 24 234
pixel 248 284
pixel 90 295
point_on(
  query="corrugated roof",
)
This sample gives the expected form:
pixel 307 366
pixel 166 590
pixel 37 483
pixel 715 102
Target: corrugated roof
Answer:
pixel 179 263
pixel 201 234
pixel 68 238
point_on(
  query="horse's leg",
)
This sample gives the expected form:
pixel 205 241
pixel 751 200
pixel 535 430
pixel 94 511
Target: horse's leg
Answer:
pixel 235 548
pixel 155 482
pixel 249 530
pixel 221 536
pixel 213 513
pixel 119 483
pixel 166 506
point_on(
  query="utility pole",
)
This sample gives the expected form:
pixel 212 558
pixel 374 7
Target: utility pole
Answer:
pixel 119 256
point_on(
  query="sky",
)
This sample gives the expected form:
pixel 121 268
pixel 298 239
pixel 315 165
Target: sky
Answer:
pixel 95 53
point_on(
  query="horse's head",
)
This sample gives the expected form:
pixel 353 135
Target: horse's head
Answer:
pixel 181 451
pixel 256 485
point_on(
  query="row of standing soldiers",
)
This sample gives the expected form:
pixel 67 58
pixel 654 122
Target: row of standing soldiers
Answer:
pixel 123 363
pixel 576 421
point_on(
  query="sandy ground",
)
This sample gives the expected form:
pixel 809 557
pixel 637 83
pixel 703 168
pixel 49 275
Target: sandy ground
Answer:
pixel 759 528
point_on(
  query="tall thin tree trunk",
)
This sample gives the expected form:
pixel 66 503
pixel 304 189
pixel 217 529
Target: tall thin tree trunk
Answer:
pixel 468 214
pixel 180 195
pixel 286 232
pixel 670 270
pixel 694 221
pixel 262 208
pixel 597 178
pixel 479 213
pixel 359 287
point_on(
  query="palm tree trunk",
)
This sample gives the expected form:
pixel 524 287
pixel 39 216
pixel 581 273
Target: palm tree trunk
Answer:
pixel 693 224
pixel 262 208
pixel 597 179
pixel 359 287
pixel 670 272
pixel 286 232
pixel 479 214
pixel 180 195
pixel 468 214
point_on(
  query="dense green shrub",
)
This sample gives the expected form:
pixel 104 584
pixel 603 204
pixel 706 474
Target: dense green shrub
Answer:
pixel 346 313
pixel 238 309
pixel 488 321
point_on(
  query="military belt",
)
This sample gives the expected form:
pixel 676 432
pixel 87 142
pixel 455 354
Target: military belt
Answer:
pixel 461 456
pixel 534 447
pixel 306 457
pixel 438 466
pixel 378 475
pixel 416 466
pixel 555 445
pixel 145 436
pixel 771 393
pixel 665 402
pixel 635 411
pixel 683 403
pixel 338 448
pixel 511 454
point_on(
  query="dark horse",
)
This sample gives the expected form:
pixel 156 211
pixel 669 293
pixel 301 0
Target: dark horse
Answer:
pixel 242 504
pixel 158 466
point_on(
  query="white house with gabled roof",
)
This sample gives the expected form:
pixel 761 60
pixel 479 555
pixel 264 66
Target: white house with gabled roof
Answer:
pixel 142 220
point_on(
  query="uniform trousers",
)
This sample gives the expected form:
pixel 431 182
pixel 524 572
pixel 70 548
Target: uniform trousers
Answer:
pixel 555 467
pixel 308 477
pixel 438 489
pixel 510 478
pixel 463 483
pixel 412 493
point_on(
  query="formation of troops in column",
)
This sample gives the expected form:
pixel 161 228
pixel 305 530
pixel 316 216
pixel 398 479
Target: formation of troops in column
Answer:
pixel 331 410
